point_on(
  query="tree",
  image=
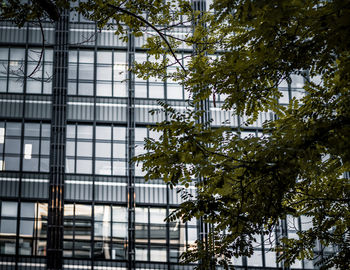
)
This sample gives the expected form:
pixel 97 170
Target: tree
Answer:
pixel 298 167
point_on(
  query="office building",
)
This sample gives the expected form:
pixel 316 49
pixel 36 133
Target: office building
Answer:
pixel 70 120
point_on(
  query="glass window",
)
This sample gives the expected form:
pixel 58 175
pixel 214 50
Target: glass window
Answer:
pixel 157 215
pixel 104 73
pixel 140 134
pixel 15 85
pixel 158 254
pixel 103 167
pixel 13 129
pixel 120 214
pixel 12 146
pixel 86 72
pixel 84 166
pixel 84 132
pixel 28 210
pixel 140 90
pixel 45 147
pixel 45 130
pixel 119 133
pixel 102 213
pixel 70 148
pixel 104 89
pixel 141 253
pixel 27 228
pixel 141 215
pixel 174 91
pixel 119 150
pixel 156 91
pixel 119 89
pixel 86 56
pixel 82 211
pixel 9 209
pixel 119 168
pixel 31 164
pixel 84 149
pixel 86 89
pixel 11 163
pixel 104 57
pixel 70 131
pixel 103 133
pixel 8 226
pixel 103 150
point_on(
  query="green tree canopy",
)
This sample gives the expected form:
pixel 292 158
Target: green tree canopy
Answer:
pixel 298 166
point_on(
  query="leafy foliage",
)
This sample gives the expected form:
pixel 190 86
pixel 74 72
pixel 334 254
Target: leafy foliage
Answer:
pixel 298 167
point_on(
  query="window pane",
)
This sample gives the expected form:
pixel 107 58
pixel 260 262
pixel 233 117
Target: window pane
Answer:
pixel 28 210
pixel 8 226
pixel 84 166
pixel 13 129
pixel 118 168
pixel 31 129
pixel 120 214
pixel 141 215
pixel 70 148
pixel 140 90
pixel 119 133
pixel 86 89
pixel 120 89
pixel 84 149
pixel 104 89
pixel 140 134
pixel 103 150
pixel 156 91
pixel 102 213
pixel 11 163
pixel 9 209
pixel 70 131
pixel 104 73
pixel 31 165
pixel 119 150
pixel 12 146
pixel 15 85
pixel 158 254
pixel 120 231
pixel 103 167
pixel 86 56
pixel 104 57
pixel 86 72
pixel 27 228
pixel 157 215
pixel 84 132
pixel 103 133
pixel 45 130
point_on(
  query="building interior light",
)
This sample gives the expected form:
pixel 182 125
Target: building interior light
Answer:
pixel 27 151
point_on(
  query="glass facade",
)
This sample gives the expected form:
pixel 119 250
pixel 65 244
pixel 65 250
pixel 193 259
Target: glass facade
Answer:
pixel 98 218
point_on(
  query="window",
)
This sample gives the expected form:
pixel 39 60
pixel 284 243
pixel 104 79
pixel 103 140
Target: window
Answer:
pixel 107 151
pixel 32 231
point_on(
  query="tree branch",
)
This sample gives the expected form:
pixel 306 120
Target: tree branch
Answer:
pixel 152 26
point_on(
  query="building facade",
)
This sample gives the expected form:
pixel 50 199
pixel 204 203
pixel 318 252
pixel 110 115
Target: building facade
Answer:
pixel 71 118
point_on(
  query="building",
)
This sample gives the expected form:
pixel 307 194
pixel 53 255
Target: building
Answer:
pixel 68 196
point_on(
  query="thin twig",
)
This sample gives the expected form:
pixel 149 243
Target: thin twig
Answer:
pixel 42 50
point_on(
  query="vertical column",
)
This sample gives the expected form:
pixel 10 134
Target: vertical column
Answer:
pixel 131 153
pixel 204 106
pixel 58 141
